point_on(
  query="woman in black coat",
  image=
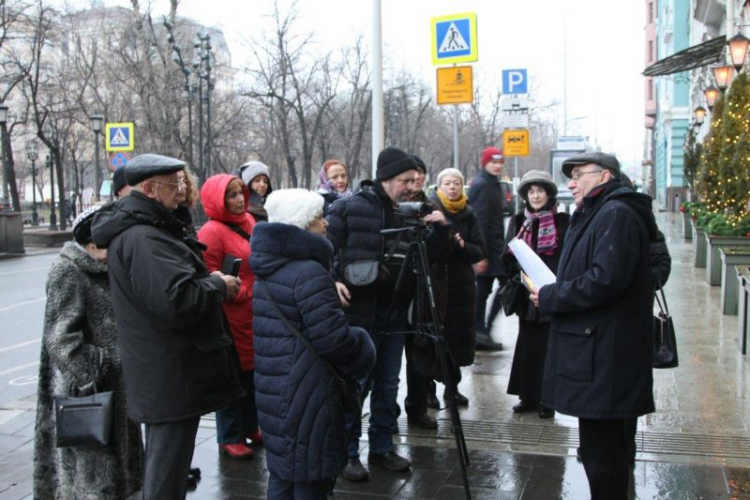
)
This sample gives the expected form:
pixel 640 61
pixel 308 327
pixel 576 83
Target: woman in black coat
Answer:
pixel 467 247
pixel 543 229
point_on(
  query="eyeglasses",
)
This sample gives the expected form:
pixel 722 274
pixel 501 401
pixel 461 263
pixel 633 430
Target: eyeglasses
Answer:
pixel 181 184
pixel 577 175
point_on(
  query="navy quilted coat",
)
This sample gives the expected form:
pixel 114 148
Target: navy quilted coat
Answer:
pixel 299 404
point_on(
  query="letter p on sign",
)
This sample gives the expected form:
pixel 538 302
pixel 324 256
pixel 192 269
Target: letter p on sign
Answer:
pixel 515 81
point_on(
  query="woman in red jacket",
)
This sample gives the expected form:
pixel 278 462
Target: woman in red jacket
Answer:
pixel 227 235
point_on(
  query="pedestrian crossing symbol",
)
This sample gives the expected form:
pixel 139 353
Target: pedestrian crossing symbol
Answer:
pixel 454 39
pixel 119 137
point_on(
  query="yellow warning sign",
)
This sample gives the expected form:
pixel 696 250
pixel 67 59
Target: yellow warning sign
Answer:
pixel 455 85
pixel 516 142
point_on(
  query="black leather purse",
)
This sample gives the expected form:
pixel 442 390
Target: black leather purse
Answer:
pixel 349 389
pixel 84 421
pixel 665 341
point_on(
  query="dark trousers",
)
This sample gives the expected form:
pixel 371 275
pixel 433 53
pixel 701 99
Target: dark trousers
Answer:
pixel 484 289
pixel 417 385
pixel 240 418
pixel 169 450
pixel 278 489
pixel 604 453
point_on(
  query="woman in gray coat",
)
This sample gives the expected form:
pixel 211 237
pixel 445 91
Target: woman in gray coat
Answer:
pixel 79 348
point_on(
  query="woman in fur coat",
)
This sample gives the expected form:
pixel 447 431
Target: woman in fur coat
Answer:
pixel 79 348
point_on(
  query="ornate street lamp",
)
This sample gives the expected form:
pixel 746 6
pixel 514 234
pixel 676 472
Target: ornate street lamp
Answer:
pixel 32 153
pixel 711 93
pixel 3 157
pixel 52 215
pixel 738 45
pixel 97 121
pixel 746 5
pixel 723 76
pixel 700 115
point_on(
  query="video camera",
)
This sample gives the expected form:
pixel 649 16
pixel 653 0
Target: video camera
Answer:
pixel 413 209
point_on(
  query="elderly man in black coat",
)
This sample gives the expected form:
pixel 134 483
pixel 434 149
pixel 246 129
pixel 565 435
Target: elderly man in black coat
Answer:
pixel 177 360
pixel 486 198
pixel 598 365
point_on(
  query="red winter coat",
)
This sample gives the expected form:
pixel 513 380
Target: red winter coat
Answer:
pixel 223 241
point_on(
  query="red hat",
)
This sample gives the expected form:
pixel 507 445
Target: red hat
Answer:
pixel 490 154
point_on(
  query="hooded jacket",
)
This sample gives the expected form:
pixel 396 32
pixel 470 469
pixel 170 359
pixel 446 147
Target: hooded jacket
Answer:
pixel 299 403
pixel 224 245
pixel 599 357
pixel 176 355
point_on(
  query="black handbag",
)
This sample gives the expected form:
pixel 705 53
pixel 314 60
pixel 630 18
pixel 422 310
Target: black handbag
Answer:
pixel 508 295
pixel 665 342
pixel 84 421
pixel 349 389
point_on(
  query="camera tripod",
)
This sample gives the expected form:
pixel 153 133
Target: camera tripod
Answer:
pixel 429 325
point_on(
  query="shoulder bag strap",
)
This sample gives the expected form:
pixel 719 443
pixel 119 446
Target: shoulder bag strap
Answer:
pixel 663 302
pixel 296 332
pixel 238 230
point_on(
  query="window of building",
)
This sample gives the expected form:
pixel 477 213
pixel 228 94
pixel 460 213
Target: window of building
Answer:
pixel 651 12
pixel 650 50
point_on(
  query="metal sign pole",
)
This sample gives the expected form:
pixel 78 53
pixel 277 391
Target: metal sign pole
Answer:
pixel 455 136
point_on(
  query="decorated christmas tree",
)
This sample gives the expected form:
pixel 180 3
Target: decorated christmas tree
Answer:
pixel 708 173
pixel 736 174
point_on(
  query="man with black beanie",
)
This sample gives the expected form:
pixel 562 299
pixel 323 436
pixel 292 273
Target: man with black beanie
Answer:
pixel 366 266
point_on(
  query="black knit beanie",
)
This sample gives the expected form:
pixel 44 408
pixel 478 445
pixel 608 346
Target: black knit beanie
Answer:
pixel 393 161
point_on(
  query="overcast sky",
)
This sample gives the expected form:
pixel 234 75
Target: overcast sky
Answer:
pixel 605 48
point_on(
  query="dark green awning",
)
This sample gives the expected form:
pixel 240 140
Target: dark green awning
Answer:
pixel 696 56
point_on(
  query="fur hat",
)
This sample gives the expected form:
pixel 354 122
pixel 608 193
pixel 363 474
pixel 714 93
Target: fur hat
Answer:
pixel 253 169
pixel 539 178
pixel 392 162
pixel 82 224
pixel 490 154
pixel 297 207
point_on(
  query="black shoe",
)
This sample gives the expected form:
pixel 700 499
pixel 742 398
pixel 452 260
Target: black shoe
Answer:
pixel 196 472
pixel 422 420
pixel 485 343
pixel 390 461
pixel 355 471
pixel 545 412
pixel 192 482
pixel 461 400
pixel 525 407
pixel 432 401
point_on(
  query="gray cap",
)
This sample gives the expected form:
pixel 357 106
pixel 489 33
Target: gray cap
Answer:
pixel 148 165
pixel 539 178
pixel 252 169
pixel 604 160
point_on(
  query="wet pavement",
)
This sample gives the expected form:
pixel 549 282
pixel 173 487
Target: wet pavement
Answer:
pixel 697 444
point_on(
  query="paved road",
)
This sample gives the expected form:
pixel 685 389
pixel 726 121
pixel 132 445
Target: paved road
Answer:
pixel 22 300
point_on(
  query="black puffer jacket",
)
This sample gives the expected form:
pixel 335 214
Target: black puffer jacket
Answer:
pixel 460 314
pixel 176 354
pixel 486 198
pixel 600 349
pixel 354 225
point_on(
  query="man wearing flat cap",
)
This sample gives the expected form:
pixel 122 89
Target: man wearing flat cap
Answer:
pixel 176 354
pixel 598 365
pixel 366 266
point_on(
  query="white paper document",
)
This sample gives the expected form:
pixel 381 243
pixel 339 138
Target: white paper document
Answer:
pixel 531 264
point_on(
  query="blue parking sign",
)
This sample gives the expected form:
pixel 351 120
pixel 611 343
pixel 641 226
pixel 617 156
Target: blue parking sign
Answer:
pixel 515 81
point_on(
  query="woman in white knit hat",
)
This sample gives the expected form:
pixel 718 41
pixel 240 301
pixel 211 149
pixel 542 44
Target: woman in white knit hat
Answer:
pixel 300 407
pixel 256 176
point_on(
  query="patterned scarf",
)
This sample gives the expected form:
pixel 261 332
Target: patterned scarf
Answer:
pixel 546 242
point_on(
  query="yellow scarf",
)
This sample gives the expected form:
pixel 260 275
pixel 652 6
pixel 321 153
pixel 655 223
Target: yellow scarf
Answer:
pixel 452 206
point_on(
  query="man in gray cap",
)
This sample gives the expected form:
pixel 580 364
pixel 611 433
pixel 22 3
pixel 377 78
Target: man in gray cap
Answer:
pixel 177 360
pixel 598 365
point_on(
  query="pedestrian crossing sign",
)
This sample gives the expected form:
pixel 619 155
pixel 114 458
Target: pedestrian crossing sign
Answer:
pixel 119 137
pixel 454 39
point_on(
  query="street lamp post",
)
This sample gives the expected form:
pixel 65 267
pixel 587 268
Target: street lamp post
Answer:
pixel 32 153
pixel 96 125
pixel 52 215
pixel 4 157
pixel 189 85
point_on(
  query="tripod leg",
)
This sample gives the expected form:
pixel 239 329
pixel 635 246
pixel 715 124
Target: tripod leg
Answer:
pixel 440 350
